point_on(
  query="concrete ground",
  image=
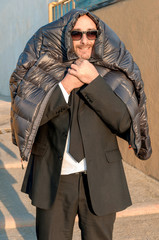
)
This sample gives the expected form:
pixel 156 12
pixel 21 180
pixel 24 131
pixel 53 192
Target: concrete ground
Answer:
pixel 17 215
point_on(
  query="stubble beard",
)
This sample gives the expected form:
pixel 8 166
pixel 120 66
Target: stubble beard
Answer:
pixel 84 51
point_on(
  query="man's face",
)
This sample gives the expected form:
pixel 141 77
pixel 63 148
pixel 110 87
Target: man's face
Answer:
pixel 84 47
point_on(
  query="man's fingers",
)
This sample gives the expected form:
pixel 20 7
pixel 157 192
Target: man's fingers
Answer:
pixel 72 72
pixel 75 74
pixel 79 61
pixel 74 66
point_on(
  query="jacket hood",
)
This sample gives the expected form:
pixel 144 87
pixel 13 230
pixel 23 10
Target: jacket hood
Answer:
pixel 106 47
pixel 98 48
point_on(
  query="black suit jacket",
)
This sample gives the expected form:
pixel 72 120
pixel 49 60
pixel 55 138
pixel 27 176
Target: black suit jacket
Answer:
pixel 102 116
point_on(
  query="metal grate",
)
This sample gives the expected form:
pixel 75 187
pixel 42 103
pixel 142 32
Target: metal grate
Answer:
pixel 58 9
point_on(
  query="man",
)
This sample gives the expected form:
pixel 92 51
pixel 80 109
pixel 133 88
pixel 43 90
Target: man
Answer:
pixel 70 99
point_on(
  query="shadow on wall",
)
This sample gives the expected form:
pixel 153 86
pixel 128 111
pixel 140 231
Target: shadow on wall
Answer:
pixel 10 203
pixel 8 151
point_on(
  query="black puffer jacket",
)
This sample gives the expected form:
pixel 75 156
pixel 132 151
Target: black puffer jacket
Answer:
pixel 44 63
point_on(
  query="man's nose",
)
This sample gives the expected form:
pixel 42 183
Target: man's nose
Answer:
pixel 84 38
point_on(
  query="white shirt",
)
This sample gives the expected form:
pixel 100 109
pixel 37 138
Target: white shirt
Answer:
pixel 70 165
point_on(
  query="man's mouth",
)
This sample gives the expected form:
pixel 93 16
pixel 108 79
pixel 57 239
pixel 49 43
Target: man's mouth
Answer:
pixel 84 51
pixel 84 48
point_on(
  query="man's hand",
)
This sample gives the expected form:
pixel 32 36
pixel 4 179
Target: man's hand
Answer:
pixel 83 70
pixel 70 82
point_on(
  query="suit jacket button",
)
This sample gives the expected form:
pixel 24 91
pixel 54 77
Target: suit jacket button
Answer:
pixel 60 158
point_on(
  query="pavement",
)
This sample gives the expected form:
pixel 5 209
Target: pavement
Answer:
pixel 17 215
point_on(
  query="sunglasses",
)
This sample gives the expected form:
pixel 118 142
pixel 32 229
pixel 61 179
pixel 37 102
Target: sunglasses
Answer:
pixel 77 35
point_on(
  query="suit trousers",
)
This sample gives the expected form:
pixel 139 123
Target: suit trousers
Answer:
pixel 73 199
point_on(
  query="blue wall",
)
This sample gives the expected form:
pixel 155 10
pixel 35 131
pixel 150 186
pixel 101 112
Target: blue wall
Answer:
pixel 19 19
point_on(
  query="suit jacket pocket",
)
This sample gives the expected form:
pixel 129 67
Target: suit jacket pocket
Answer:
pixel 39 149
pixel 113 155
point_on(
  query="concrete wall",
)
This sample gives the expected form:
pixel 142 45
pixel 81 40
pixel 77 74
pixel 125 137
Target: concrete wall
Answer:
pixel 19 19
pixel 136 23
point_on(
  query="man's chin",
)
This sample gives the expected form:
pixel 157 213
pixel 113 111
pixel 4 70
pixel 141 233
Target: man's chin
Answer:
pixel 85 56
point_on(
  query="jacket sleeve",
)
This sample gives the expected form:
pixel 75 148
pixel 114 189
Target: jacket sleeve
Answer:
pixel 117 57
pixel 26 61
pixel 107 105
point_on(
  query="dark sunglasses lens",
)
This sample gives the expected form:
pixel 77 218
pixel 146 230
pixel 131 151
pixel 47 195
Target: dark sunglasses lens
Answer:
pixel 92 35
pixel 76 35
